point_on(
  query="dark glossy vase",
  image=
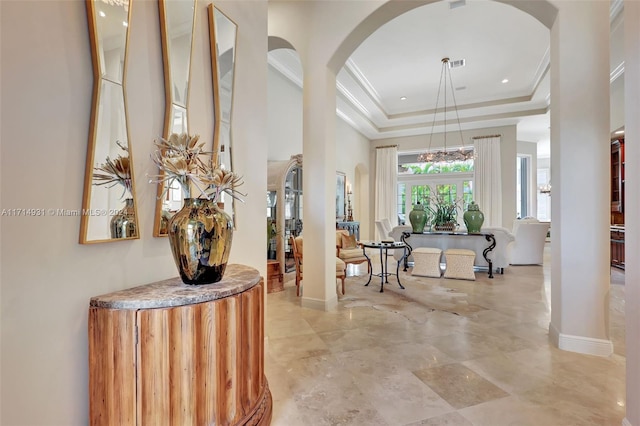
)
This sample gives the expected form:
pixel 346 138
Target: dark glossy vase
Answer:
pixel 473 218
pixel 418 218
pixel 200 235
pixel 123 223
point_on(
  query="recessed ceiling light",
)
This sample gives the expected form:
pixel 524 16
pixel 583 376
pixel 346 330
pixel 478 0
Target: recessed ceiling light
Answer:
pixel 102 14
pixel 403 98
pixel 506 80
pixel 619 132
pixel 125 24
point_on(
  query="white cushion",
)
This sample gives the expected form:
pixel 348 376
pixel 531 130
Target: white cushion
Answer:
pixel 528 247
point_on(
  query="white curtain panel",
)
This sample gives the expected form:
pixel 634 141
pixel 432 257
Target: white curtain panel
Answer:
pixel 488 179
pixel 386 185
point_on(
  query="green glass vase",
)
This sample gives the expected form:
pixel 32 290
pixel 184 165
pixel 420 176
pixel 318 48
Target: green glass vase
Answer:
pixel 418 218
pixel 473 218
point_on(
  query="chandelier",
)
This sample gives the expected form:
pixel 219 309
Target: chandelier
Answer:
pixel 446 155
pixel 123 3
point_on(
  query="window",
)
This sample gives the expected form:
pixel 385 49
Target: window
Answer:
pixel 522 186
pixel 401 204
pixel 451 181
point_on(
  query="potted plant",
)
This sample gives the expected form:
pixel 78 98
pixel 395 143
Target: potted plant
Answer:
pixel 444 214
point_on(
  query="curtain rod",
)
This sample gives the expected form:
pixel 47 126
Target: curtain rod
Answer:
pixel 487 136
pixel 386 146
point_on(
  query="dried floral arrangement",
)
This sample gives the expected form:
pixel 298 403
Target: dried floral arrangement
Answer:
pixel 183 159
pixel 115 172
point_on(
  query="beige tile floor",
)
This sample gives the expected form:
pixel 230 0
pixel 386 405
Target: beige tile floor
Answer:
pixel 441 352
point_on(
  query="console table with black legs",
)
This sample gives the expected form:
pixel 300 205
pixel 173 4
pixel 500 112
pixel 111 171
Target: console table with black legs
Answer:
pixel 491 239
pixel 384 248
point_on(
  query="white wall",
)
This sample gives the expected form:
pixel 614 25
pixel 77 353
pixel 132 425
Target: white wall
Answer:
pixel 285 140
pixel 617 57
pixel 284 117
pixel 414 144
pixel 47 278
pixel 352 158
pixel 617 104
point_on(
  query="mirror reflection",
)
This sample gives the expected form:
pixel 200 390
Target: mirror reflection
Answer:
pixel 109 208
pixel 177 20
pixel 223 48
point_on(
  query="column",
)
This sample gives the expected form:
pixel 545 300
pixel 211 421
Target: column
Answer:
pixel 632 207
pixel 319 174
pixel 580 176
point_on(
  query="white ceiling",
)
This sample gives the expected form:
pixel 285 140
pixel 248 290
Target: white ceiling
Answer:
pixel 403 58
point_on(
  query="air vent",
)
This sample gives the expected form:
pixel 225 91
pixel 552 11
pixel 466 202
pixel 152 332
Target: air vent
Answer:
pixel 457 3
pixel 461 88
pixel 456 64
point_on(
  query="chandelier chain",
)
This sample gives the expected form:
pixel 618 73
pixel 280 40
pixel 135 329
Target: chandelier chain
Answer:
pixel 444 155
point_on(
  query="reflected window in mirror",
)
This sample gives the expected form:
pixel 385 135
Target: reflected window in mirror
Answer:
pixel 222 37
pixel 109 210
pixel 177 26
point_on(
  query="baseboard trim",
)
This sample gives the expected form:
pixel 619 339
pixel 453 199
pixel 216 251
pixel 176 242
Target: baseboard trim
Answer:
pixel 626 422
pixel 580 344
pixel 319 304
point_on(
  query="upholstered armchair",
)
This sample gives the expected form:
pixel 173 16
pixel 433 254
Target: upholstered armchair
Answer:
pixel 528 247
pixel 296 246
pixel 384 228
pixel 348 249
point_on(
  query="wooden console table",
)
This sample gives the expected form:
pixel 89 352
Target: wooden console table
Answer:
pixel 168 353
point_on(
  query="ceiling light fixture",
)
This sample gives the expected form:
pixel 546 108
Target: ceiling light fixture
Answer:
pixel 403 98
pixel 446 155
pixel 118 3
pixel 506 80
pixel 619 132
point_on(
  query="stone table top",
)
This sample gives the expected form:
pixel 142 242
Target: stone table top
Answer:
pixel 173 292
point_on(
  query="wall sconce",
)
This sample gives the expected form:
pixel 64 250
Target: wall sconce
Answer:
pixel 545 189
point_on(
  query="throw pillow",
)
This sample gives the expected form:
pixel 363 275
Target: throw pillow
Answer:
pixel 349 242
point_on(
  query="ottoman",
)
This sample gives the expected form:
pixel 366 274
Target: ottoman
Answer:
pixel 426 262
pixel 460 264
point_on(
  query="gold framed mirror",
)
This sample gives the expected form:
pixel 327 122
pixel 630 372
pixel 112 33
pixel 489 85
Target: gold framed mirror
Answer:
pixel 177 27
pixel 109 209
pixel 222 40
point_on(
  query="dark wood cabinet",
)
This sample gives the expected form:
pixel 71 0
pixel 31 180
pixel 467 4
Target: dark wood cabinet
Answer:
pixel 617 177
pixel 617 203
pixel 617 247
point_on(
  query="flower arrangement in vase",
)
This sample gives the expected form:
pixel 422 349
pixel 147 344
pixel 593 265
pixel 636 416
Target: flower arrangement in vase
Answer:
pixel 183 160
pixel 114 172
pixel 200 234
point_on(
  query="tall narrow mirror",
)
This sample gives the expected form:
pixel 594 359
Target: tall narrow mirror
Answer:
pixel 109 210
pixel 177 21
pixel 222 37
